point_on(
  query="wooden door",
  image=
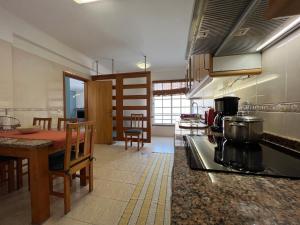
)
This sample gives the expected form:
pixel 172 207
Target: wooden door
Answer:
pixel 100 110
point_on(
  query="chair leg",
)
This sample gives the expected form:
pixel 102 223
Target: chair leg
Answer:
pixel 138 142
pixel 19 172
pixel 11 178
pixel 50 184
pixel 125 142
pixel 130 141
pixel 91 177
pixel 67 193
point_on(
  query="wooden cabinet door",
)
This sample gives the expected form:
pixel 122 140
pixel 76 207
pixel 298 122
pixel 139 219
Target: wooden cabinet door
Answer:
pixel 100 110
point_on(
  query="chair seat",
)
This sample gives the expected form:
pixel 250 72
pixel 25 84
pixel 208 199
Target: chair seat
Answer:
pixel 57 160
pixel 133 131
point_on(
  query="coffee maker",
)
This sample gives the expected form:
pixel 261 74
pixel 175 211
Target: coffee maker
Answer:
pixel 226 106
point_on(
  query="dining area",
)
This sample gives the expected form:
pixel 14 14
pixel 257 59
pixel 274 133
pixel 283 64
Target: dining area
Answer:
pixel 44 154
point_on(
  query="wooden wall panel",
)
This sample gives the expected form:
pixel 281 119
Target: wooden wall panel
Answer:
pixel 100 110
pixel 119 87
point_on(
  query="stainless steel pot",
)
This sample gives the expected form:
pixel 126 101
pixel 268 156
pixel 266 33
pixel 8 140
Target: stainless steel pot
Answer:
pixel 243 129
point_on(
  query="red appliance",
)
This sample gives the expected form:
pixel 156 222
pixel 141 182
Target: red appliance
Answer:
pixel 211 116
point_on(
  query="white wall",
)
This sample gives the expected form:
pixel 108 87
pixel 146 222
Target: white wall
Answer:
pixel 163 131
pixel 32 62
pixel 168 74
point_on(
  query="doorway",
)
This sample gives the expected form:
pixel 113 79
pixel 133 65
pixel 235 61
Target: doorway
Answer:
pixel 75 103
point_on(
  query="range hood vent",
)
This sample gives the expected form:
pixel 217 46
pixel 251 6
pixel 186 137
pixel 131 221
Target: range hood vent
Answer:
pixel 202 34
pixel 242 32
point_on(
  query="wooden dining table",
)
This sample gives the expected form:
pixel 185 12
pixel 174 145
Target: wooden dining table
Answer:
pixel 36 148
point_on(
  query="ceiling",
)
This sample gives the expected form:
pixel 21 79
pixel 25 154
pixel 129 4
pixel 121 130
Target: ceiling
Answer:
pixel 231 27
pixel 125 30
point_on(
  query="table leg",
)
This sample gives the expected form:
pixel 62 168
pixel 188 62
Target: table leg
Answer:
pixel 39 186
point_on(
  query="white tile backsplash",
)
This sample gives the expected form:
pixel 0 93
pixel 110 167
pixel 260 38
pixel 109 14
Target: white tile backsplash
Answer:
pixel 279 83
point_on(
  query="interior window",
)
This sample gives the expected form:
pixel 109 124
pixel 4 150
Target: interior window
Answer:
pixel 74 95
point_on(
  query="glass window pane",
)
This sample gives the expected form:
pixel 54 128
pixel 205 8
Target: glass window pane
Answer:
pixel 157 121
pixel 186 103
pixel 176 102
pixel 167 103
pixel 158 110
pixel 157 86
pixel 167 121
pixel 166 86
pixel 176 111
pixel 186 110
pixel 158 103
pixel 167 110
pixel 167 117
pixel 159 117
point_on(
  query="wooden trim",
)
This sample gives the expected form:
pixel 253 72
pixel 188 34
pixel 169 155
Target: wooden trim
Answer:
pixel 236 72
pixel 170 92
pixel 149 103
pixel 132 108
pixel 135 107
pixel 169 81
pixel 119 106
pixel 135 97
pixel 76 77
pixel 124 75
pixel 134 86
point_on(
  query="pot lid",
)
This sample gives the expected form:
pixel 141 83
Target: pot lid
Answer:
pixel 243 118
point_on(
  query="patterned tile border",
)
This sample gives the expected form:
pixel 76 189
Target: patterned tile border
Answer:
pixel 280 107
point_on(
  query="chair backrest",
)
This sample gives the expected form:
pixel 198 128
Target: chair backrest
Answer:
pixel 62 123
pixel 44 123
pixel 80 142
pixel 137 120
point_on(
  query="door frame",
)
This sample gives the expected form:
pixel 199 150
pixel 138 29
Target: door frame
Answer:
pixel 76 77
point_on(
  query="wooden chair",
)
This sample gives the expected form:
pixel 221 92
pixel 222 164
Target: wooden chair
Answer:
pixel 135 130
pixel 44 123
pixel 7 172
pixel 62 123
pixel 68 162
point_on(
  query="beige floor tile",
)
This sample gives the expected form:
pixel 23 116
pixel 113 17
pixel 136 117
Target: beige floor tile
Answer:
pixel 113 190
pixel 117 172
pixel 64 221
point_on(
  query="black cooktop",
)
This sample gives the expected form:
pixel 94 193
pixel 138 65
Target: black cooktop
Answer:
pixel 216 154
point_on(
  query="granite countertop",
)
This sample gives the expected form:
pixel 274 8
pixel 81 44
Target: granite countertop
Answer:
pixel 200 197
pixel 23 143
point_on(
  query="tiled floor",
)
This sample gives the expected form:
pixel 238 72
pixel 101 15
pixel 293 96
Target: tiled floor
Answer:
pixel 130 187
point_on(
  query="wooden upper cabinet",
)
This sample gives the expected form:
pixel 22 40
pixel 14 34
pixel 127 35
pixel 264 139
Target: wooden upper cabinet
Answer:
pixel 201 65
pixel 282 8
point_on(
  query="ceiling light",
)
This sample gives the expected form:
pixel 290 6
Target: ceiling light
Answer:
pixel 85 1
pixel 280 33
pixel 141 65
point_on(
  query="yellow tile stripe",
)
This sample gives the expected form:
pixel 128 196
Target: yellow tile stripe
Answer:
pixel 132 202
pixel 142 219
pixel 160 210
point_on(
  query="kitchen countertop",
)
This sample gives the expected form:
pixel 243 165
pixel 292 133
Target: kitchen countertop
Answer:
pixel 200 197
